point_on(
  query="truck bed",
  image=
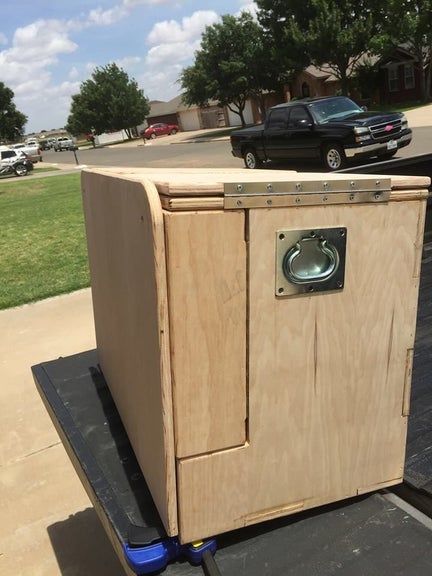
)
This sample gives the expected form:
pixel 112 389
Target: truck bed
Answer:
pixel 378 534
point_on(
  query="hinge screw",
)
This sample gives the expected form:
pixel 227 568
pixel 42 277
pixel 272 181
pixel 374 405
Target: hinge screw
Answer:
pixel 378 182
pixel 298 200
pixel 239 202
pixel 239 187
pixel 298 186
pixel 352 184
pixel 269 187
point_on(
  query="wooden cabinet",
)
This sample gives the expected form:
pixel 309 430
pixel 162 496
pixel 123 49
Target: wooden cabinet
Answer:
pixel 256 331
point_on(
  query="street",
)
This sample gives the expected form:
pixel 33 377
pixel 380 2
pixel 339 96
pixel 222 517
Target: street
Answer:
pixel 216 154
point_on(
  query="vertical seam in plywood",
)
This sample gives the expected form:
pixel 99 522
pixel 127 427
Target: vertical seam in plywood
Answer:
pixel 407 383
pixel 315 353
pixel 418 246
pixel 247 247
pixel 390 344
pixel 173 386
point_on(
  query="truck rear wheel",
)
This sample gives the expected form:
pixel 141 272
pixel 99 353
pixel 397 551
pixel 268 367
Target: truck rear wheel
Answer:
pixel 333 157
pixel 251 159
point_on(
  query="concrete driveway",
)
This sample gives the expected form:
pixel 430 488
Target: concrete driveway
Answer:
pixel 420 117
pixel 48 527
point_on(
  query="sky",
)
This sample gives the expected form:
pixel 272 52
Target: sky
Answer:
pixel 48 48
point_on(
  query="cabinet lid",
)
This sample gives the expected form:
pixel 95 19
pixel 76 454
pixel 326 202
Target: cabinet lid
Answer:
pixel 235 188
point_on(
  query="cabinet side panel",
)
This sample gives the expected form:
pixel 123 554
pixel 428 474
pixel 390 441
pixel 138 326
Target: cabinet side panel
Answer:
pixel 206 260
pixel 126 246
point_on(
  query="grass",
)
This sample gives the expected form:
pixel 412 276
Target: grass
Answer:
pixel 38 170
pixel 42 242
pixel 402 107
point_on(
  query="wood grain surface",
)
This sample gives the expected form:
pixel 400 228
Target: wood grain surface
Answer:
pixel 125 235
pixel 210 182
pixel 206 264
pixel 327 376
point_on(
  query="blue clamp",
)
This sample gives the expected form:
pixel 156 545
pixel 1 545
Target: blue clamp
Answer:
pixel 155 557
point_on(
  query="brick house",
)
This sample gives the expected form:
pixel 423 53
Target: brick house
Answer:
pixel 400 77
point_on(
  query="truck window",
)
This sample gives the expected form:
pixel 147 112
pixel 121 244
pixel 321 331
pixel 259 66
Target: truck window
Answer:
pixel 277 119
pixel 299 117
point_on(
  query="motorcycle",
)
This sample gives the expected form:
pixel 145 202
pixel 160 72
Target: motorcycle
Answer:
pixel 20 167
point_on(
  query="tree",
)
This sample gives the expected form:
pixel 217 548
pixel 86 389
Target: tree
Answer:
pixel 231 66
pixel 333 32
pixel 107 102
pixel 410 23
pixel 12 121
pixel 366 78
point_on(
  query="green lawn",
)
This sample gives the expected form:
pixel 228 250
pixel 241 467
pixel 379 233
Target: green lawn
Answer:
pixel 42 239
pixel 402 107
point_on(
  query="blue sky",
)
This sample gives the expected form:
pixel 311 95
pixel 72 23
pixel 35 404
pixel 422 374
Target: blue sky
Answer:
pixel 48 48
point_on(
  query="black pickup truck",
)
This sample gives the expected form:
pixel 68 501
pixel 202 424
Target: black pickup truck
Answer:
pixel 333 129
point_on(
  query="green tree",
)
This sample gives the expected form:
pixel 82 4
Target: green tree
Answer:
pixel 366 78
pixel 107 102
pixel 333 32
pixel 12 121
pixel 409 22
pixel 231 66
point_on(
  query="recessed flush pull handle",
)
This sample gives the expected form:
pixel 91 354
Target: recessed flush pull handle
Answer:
pixel 311 259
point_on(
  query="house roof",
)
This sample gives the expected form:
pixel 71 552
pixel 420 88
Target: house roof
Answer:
pixel 399 54
pixel 326 72
pixel 158 108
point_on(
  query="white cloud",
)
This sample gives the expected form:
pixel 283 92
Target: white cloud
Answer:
pixel 3 39
pixel 247 6
pixel 74 73
pixel 34 48
pixel 101 17
pixel 128 61
pixel 161 85
pixel 173 44
pixel 189 29
pixel 169 54
pixel 90 66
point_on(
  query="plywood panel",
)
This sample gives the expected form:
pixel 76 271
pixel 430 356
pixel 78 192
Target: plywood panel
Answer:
pixel 327 376
pixel 125 234
pixel 207 301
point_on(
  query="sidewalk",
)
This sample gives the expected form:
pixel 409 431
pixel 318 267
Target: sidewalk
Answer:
pixel 188 137
pixel 420 117
pixel 48 527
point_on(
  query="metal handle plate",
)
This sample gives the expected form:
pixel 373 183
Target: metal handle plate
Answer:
pixel 310 260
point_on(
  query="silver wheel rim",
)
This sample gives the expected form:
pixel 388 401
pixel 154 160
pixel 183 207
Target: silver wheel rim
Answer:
pixel 20 170
pixel 153 135
pixel 334 159
pixel 250 160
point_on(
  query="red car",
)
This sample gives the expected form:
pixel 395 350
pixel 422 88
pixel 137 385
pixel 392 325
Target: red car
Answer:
pixel 159 129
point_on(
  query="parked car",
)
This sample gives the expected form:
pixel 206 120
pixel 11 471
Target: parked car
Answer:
pixel 31 150
pixel 333 129
pixel 47 143
pixel 159 129
pixel 64 143
pixel 14 162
